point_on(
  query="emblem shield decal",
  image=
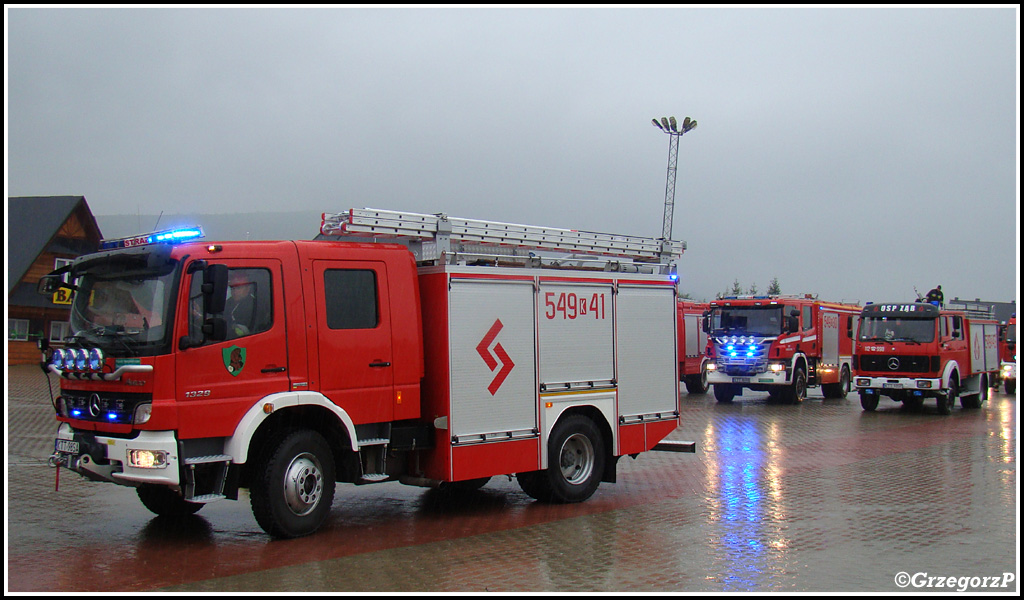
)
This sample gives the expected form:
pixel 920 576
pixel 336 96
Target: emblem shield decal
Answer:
pixel 234 359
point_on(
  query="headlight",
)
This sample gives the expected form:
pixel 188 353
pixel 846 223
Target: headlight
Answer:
pixel 96 358
pixel 924 384
pixel 776 367
pixel 711 366
pixel 147 459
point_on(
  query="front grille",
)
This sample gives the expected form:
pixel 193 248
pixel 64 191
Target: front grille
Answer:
pixel 104 407
pixel 883 363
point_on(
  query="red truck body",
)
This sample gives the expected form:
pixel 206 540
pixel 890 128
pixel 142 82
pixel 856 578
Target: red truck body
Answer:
pixel 780 344
pixel 354 362
pixel 1008 355
pixel 915 351
pixel 693 343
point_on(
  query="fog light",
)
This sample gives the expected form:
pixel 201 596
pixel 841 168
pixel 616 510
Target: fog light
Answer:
pixel 147 459
pixel 142 413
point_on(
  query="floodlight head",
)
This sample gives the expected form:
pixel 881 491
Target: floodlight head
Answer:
pixel 656 123
pixel 664 123
pixel 672 122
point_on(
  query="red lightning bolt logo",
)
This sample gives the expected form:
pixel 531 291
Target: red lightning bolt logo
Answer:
pixel 483 348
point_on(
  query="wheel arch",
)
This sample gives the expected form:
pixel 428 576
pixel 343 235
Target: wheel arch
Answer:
pixel 278 412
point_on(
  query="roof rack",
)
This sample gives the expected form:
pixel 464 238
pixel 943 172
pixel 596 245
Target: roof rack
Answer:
pixel 438 237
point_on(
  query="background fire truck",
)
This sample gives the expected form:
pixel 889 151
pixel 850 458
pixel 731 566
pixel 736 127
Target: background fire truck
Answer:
pixel 780 344
pixel 910 352
pixel 1008 355
pixel 442 362
pixel 693 342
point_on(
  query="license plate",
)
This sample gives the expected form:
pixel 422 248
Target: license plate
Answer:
pixel 893 386
pixel 741 380
pixel 67 446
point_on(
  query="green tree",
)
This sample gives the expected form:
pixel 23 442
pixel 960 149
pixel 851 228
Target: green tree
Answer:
pixel 773 287
pixel 753 289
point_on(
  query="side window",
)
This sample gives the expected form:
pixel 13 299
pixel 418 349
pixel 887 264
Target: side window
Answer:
pixel 351 299
pixel 807 322
pixel 248 309
pixel 957 328
pixel 943 327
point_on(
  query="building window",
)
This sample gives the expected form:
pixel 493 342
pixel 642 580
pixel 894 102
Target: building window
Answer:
pixel 58 331
pixel 17 330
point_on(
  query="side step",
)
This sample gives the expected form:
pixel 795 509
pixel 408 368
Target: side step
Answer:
pixel 675 446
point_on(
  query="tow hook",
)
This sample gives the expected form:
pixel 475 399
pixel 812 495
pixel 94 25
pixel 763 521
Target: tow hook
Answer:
pixel 56 461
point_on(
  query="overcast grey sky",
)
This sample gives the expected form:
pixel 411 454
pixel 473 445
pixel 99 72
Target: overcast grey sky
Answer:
pixel 854 152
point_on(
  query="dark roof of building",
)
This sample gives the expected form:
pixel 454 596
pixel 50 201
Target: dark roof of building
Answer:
pixel 32 223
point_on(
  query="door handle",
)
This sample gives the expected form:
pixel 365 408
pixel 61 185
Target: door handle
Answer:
pixel 380 364
pixel 274 370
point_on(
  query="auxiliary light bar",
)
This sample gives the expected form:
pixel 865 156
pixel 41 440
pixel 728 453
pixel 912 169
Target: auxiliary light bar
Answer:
pixel 172 236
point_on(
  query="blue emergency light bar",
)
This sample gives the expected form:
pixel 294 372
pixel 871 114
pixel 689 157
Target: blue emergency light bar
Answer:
pixel 171 236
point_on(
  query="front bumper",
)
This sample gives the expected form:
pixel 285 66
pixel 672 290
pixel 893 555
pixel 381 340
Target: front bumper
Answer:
pixel 764 378
pixel 103 458
pixel 898 384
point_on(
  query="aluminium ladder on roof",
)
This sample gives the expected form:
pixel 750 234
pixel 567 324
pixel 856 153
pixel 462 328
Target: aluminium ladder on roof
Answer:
pixel 445 230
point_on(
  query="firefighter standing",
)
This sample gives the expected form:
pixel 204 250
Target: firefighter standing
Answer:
pixel 935 296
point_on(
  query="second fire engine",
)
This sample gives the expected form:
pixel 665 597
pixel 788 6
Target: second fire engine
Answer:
pixel 781 345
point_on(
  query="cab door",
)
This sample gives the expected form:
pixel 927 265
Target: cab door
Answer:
pixel 354 344
pixel 219 381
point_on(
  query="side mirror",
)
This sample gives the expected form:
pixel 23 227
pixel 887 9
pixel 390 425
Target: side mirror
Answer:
pixel 49 284
pixel 215 289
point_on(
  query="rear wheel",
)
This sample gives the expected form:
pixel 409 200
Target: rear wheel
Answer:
pixel 294 488
pixel 576 460
pixel 165 502
pixel 976 400
pixel 838 391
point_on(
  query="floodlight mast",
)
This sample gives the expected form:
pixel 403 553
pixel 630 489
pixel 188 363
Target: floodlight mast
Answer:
pixel 670 126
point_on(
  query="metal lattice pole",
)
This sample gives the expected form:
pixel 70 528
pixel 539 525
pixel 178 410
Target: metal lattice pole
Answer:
pixel 669 126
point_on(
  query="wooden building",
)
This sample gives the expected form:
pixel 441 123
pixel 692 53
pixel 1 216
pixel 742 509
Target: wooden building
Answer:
pixel 43 233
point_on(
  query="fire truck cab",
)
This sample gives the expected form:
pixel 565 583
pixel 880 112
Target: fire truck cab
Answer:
pixel 780 344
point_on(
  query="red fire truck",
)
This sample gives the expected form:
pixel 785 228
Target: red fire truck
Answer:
pixel 452 356
pixel 910 352
pixel 1008 355
pixel 780 344
pixel 693 342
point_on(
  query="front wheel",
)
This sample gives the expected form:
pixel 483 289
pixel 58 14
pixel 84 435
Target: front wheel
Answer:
pixel 725 392
pixel 697 384
pixel 797 392
pixel 1010 386
pixel 945 401
pixel 576 460
pixel 165 502
pixel 868 402
pixel 294 487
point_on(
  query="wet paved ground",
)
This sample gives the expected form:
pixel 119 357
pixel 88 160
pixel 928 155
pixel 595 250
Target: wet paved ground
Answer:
pixel 818 497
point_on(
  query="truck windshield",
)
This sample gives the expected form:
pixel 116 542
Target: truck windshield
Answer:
pixel 122 315
pixel 896 329
pixel 747 320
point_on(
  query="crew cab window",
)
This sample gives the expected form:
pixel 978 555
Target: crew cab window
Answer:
pixel 807 322
pixel 351 299
pixel 248 309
